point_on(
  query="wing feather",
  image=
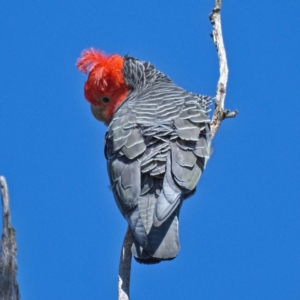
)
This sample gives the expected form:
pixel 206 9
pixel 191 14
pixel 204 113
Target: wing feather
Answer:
pixel 157 146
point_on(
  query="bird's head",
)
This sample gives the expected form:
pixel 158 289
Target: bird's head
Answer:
pixel 105 87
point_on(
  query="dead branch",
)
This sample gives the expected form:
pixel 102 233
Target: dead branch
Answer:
pixel 125 266
pixel 9 289
pixel 219 112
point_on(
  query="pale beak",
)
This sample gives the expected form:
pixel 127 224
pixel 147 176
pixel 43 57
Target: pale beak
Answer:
pixel 98 112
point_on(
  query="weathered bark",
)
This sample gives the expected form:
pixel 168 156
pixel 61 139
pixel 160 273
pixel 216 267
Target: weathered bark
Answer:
pixel 125 266
pixel 219 112
pixel 9 289
pixel 218 116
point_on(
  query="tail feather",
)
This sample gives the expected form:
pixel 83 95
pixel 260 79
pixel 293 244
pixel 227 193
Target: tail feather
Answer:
pixel 162 242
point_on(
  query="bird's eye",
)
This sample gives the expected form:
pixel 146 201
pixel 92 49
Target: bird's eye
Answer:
pixel 105 100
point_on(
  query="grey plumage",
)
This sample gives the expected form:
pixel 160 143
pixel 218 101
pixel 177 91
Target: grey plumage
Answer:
pixel 157 146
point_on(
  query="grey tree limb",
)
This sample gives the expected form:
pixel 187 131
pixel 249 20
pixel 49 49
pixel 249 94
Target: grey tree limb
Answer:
pixel 125 266
pixel 9 289
pixel 219 112
pixel 218 116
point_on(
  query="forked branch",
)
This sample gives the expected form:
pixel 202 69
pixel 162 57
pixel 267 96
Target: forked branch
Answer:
pixel 219 112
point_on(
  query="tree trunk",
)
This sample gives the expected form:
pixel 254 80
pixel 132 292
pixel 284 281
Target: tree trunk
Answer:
pixel 9 289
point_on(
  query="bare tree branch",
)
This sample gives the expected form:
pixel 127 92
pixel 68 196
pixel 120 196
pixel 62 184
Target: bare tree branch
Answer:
pixel 125 266
pixel 218 116
pixel 219 112
pixel 9 289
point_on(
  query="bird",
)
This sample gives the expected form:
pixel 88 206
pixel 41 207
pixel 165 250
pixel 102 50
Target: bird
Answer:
pixel 157 145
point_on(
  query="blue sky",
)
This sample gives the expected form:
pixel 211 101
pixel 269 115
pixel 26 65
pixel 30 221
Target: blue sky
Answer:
pixel 239 233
